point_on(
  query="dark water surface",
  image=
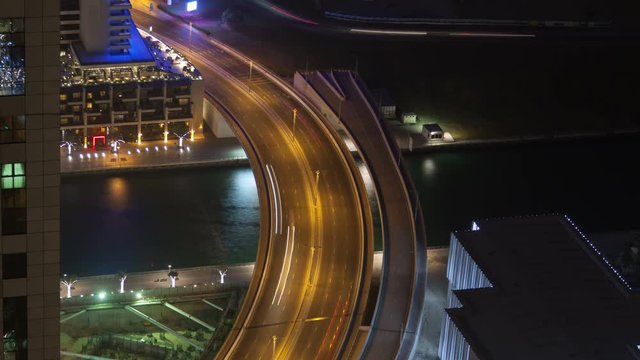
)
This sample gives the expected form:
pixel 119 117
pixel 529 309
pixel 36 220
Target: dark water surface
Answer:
pixel 191 217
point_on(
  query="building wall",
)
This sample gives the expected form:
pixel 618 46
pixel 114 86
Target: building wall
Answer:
pixel 462 273
pixel 94 24
pixel 29 221
pixel 126 116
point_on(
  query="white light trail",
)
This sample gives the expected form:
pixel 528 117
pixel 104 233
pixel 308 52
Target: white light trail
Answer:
pixel 389 32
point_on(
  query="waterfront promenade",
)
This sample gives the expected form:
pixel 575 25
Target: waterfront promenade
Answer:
pixel 206 150
pixel 240 275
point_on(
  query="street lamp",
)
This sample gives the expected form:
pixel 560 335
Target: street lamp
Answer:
pixel 274 339
pixel 122 276
pixel 173 275
pixel 181 139
pixel 293 128
pixel 69 146
pixel 315 197
pixel 190 29
pixel 115 144
pixel 68 281
pixel 222 275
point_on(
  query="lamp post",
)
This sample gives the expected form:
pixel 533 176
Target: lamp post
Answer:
pixel 250 69
pixel 181 139
pixel 69 146
pixel 115 145
pixel 274 339
pixel 68 281
pixel 315 197
pixel 293 128
pixel 190 30
pixel 222 275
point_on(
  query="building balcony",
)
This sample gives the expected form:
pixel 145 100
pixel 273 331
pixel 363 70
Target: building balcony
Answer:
pixel 71 120
pixel 125 117
pixel 101 118
pixel 120 24
pixel 152 115
pixel 123 14
pixel 120 34
pixel 179 113
pixel 120 5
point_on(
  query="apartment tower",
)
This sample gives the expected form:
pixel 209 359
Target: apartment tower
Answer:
pixel 30 178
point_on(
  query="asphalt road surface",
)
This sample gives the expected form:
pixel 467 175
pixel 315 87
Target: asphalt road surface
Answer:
pixel 317 220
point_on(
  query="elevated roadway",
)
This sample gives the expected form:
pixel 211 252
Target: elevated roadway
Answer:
pixel 398 314
pixel 314 255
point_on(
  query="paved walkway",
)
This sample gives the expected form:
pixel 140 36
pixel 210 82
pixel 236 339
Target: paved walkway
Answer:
pixel 206 150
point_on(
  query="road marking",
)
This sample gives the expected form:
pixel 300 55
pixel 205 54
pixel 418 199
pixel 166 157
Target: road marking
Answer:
pixel 286 263
pixel 277 199
pixel 316 318
pixel 293 244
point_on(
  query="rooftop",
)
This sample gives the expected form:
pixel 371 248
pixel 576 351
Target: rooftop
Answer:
pixel 166 64
pixel 554 295
pixel 138 53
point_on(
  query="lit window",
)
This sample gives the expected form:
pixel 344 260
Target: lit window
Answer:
pixel 14 199
pixel 63 97
pixel 11 57
pixel 13 176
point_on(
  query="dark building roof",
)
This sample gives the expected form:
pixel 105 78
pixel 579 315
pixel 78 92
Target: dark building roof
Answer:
pixel 553 296
pixel 432 127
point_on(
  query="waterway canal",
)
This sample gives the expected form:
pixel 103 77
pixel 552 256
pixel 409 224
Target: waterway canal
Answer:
pixel 189 217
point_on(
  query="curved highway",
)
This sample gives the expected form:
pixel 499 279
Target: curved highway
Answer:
pixel 316 225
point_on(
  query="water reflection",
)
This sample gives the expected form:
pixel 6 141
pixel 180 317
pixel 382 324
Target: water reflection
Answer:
pixel 428 167
pixel 117 194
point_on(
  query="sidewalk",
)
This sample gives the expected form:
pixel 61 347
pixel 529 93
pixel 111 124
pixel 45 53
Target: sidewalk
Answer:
pixel 204 151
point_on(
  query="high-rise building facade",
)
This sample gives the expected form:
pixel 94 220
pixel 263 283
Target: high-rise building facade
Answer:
pixel 30 178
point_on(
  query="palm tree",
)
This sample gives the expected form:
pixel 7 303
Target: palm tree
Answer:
pixel 68 281
pixel 173 275
pixel 122 276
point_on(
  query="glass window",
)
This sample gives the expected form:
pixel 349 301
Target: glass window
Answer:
pixel 14 199
pixel 13 176
pixel 14 266
pixel 12 129
pixel 14 325
pixel 11 57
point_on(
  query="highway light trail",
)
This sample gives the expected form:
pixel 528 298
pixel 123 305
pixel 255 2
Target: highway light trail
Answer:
pixel 288 256
pixel 292 16
pixel 389 32
pixel 496 35
pixel 276 198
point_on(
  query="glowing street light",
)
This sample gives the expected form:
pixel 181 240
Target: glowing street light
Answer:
pixel 69 146
pixel 190 25
pixel 122 276
pixel 222 275
pixel 139 138
pixel 115 144
pixel 274 339
pixel 68 281
pixel 181 139
pixel 173 275
pixel 315 197
pixel 293 128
